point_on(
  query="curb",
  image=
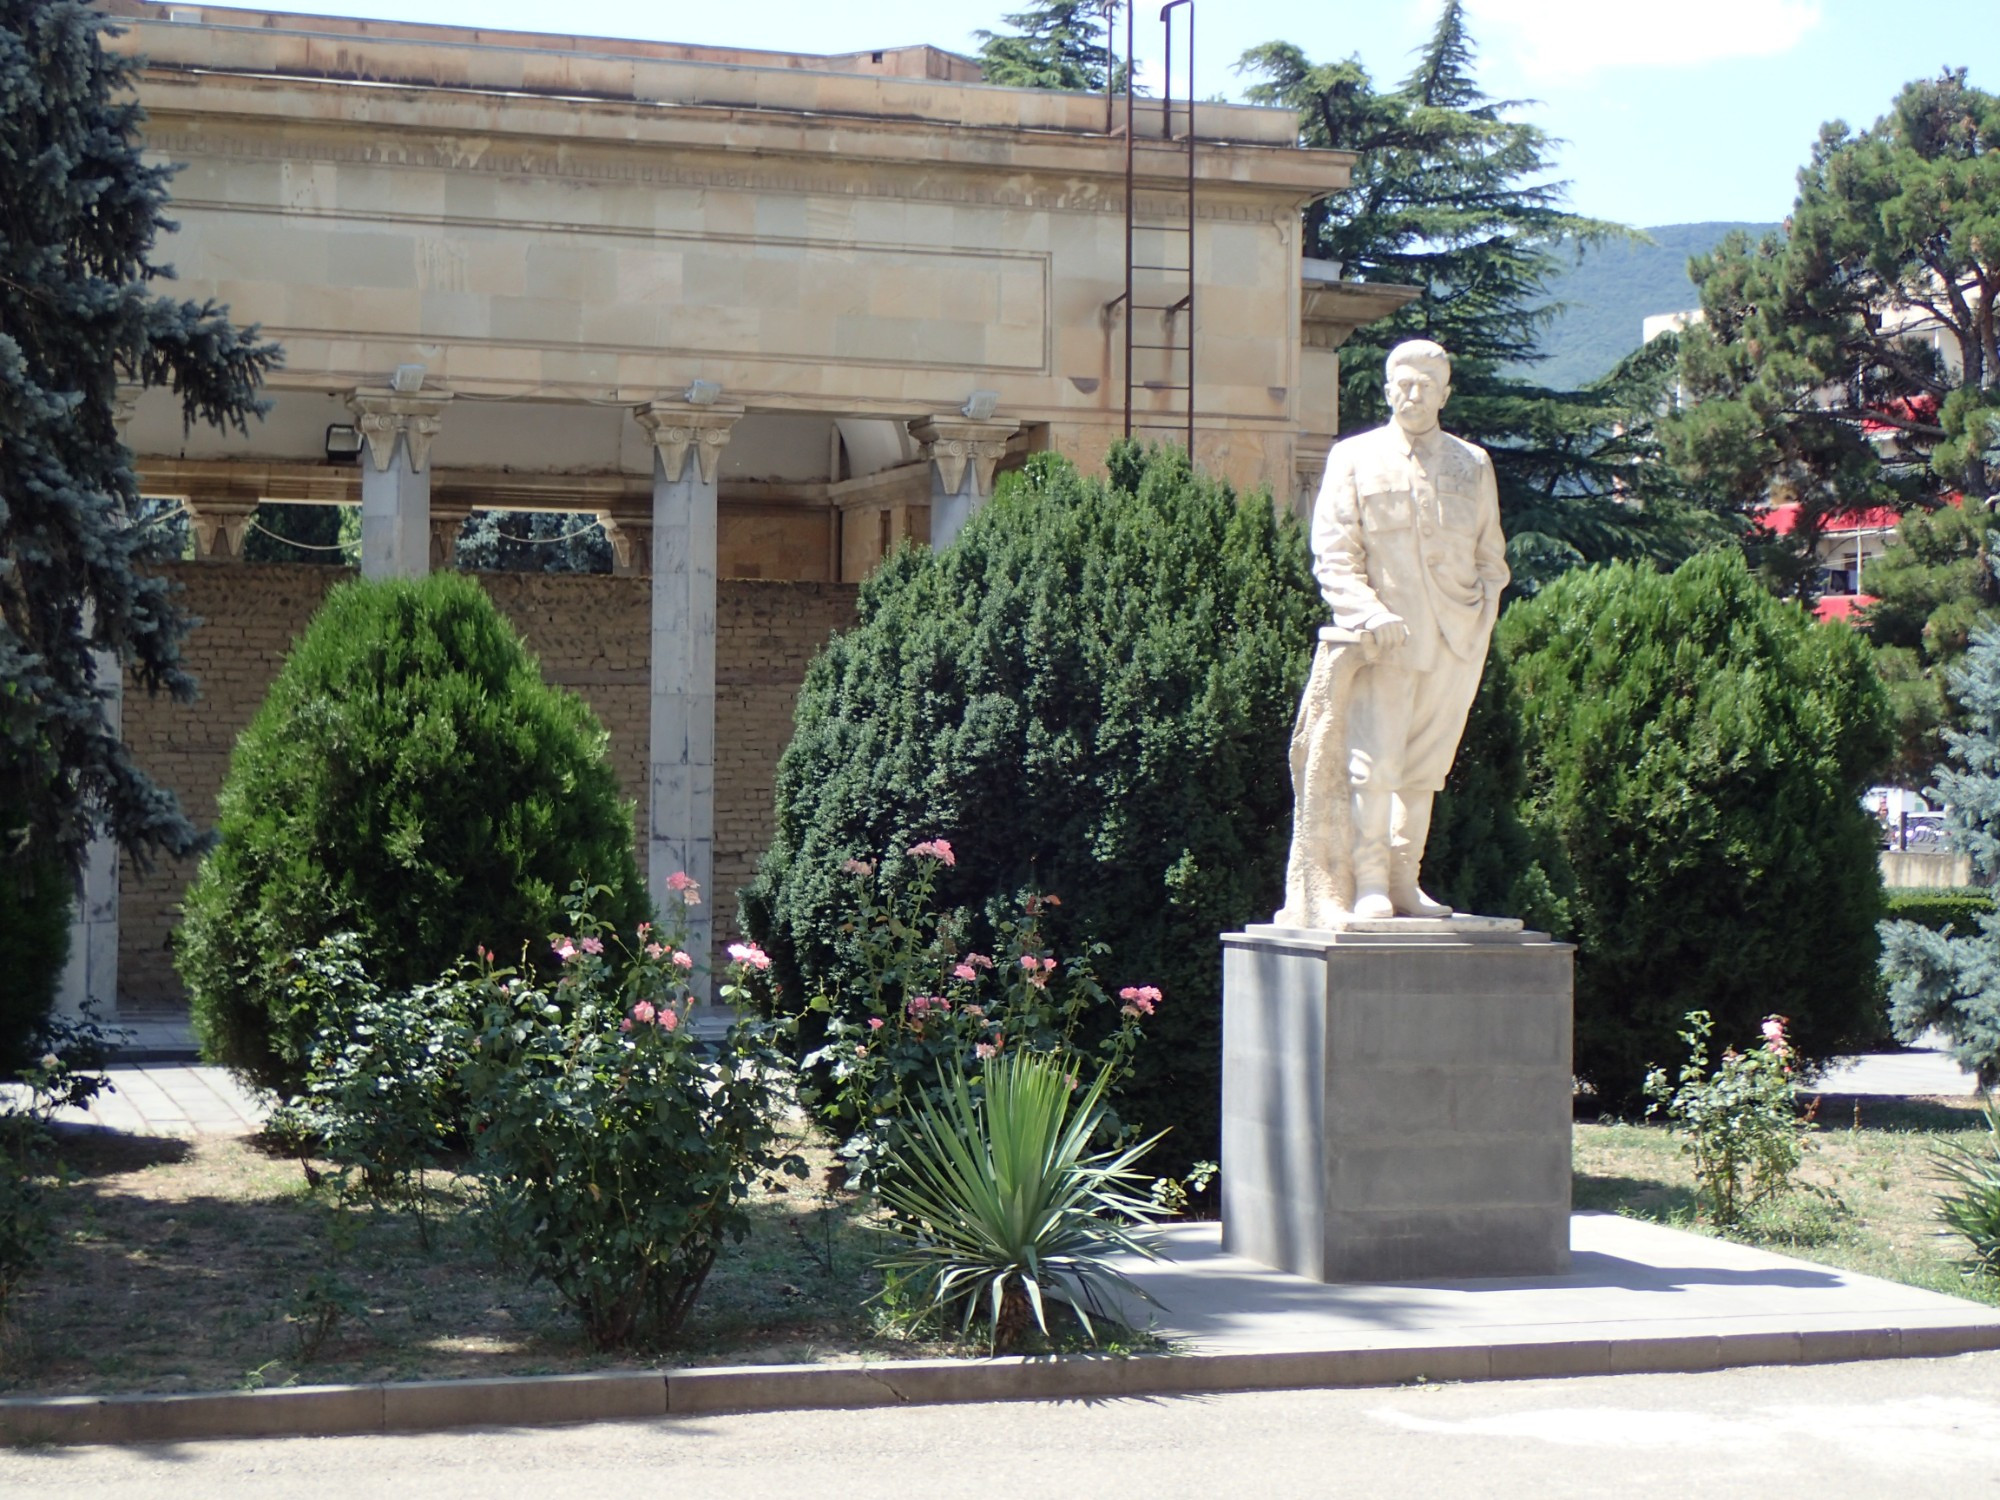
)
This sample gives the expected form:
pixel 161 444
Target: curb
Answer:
pixel 625 1395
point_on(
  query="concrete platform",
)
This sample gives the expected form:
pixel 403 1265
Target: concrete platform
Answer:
pixel 1631 1286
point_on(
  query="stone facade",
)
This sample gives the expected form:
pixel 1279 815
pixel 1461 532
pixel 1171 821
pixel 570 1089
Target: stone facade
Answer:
pixel 589 634
pixel 509 268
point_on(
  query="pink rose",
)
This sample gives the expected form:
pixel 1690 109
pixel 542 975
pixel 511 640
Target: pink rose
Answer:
pixel 591 945
pixel 643 1012
pixel 562 948
pixel 964 971
pixel 684 960
pixel 751 954
pixel 874 1023
pixel 644 928
pixel 654 950
pixel 937 849
pixel 669 1020
pixel 626 1024
pixel 858 867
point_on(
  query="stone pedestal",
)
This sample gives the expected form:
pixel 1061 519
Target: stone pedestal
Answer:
pixel 1396 1100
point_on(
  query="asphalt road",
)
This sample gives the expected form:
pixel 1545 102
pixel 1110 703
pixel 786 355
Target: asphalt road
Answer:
pixel 1904 1429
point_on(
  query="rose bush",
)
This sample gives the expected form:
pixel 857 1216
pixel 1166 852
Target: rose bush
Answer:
pixel 920 1005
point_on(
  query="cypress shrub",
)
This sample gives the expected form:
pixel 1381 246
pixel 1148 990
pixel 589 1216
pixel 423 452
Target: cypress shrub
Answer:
pixel 1090 693
pixel 36 898
pixel 1694 752
pixel 410 778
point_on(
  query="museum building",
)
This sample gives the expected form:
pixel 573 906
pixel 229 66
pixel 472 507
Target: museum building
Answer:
pixel 761 316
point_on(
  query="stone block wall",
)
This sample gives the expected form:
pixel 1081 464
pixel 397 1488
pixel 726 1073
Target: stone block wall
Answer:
pixel 589 633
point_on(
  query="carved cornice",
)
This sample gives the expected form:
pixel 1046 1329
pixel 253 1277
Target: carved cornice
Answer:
pixel 384 415
pixel 1331 310
pixel 957 446
pixel 677 429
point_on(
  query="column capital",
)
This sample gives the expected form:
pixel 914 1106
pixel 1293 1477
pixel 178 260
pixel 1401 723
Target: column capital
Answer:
pixel 447 520
pixel 630 532
pixel 383 415
pixel 676 428
pixel 219 523
pixel 958 444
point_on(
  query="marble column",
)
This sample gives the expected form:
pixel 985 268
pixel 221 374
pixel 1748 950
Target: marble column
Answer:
pixel 396 479
pixel 90 977
pixel 680 826
pixel 962 454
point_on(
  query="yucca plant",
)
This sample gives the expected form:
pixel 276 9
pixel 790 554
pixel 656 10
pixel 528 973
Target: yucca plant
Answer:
pixel 1004 1208
pixel 1974 1210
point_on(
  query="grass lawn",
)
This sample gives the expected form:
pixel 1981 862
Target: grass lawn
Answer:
pixel 1875 1209
pixel 194 1265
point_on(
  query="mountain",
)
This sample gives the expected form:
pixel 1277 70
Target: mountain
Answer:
pixel 1612 290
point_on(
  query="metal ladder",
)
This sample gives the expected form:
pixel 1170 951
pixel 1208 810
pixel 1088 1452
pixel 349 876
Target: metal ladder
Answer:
pixel 1159 295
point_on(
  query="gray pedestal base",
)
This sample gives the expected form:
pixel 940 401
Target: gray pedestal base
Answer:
pixel 1396 1100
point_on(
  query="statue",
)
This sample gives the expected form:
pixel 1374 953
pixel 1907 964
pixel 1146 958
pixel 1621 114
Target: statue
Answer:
pixel 1407 549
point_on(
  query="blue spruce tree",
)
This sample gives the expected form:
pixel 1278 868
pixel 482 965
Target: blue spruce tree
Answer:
pixel 80 210
pixel 1937 980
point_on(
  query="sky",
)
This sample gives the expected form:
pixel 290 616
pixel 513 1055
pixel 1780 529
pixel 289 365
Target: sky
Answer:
pixel 1669 111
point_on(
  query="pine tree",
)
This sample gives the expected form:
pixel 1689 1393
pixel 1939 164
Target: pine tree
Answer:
pixel 79 214
pixel 1931 589
pixel 1881 292
pixel 1451 194
pixel 1936 979
pixel 1059 44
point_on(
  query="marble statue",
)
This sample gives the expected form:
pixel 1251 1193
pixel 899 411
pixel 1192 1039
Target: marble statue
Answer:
pixel 1408 551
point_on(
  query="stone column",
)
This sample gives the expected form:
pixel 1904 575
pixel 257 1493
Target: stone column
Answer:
pixel 680 827
pixel 961 453
pixel 90 977
pixel 396 479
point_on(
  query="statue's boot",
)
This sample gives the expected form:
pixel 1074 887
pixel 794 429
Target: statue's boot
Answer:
pixel 1409 831
pixel 1372 812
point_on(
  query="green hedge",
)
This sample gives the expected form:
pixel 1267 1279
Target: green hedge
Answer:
pixel 1690 754
pixel 409 778
pixel 1938 907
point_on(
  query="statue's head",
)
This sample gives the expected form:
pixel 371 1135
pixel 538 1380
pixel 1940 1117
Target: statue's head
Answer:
pixel 1417 382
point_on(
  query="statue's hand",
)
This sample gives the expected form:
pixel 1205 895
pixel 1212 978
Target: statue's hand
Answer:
pixel 1385 633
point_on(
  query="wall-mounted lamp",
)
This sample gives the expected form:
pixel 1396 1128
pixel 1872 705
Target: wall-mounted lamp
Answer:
pixel 407 380
pixel 343 443
pixel 981 405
